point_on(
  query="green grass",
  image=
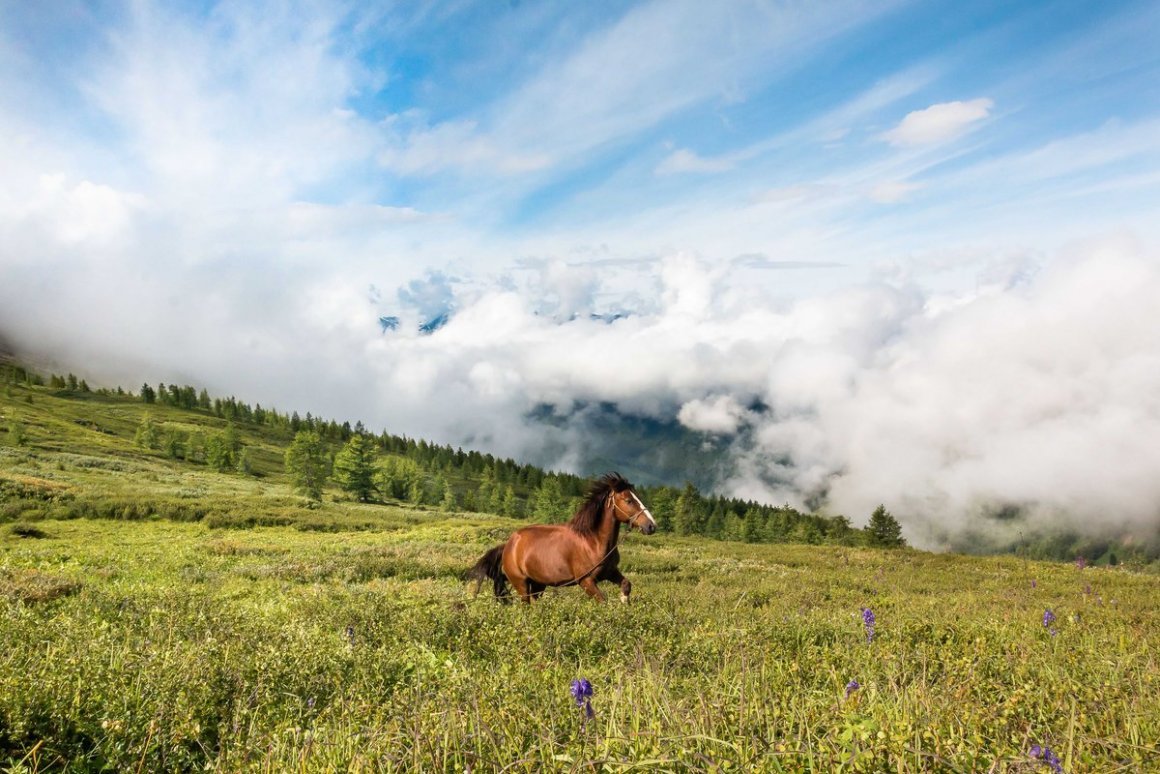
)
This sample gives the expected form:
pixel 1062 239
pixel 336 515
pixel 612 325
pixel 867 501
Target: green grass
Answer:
pixel 156 616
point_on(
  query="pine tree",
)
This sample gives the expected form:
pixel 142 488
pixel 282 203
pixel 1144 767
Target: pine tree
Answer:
pixel 174 444
pixel 884 530
pixel 751 526
pixel 548 501
pixel 146 436
pixel 510 505
pixel 662 507
pixel 307 464
pixel 688 516
pixel 195 449
pixel 446 494
pixel 243 465
pixel 15 433
pixel 354 468
pixel 218 454
pixel 232 440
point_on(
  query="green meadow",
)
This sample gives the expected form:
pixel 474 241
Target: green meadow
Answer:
pixel 159 616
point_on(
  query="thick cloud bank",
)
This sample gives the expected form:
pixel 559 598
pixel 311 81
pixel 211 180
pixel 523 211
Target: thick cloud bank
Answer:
pixel 1041 395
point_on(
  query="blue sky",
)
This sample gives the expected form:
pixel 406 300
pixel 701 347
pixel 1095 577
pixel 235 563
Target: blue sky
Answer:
pixel 846 132
pixel 845 211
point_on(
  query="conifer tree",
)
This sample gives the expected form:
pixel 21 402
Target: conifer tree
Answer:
pixel 307 464
pixel 548 500
pixel 146 436
pixel 15 433
pixel 354 468
pixel 174 444
pixel 218 454
pixel 688 514
pixel 243 464
pixel 884 530
pixel 510 505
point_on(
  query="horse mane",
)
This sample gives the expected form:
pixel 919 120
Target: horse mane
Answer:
pixel 588 516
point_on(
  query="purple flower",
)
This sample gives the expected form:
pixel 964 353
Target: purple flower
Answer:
pixel 868 620
pixel 582 694
pixel 1033 583
pixel 851 687
pixel 581 690
pixel 1048 756
pixel 1048 618
pixel 1080 562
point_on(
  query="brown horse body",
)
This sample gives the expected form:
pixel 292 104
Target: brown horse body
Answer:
pixel 582 552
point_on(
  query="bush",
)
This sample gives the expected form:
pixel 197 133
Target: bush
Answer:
pixel 26 530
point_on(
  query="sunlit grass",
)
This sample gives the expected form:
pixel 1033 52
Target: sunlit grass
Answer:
pixel 179 646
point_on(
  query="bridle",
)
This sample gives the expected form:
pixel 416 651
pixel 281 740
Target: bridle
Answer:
pixel 616 507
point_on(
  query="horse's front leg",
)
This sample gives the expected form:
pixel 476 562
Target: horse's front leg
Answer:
pixel 589 585
pixel 521 587
pixel 615 576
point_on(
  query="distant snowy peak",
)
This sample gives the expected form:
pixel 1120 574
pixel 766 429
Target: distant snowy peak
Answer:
pixel 389 323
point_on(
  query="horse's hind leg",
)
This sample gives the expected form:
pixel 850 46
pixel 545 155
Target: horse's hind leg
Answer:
pixel 536 590
pixel 502 592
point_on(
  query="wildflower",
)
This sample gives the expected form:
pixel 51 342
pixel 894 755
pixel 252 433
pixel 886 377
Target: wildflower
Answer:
pixel 349 633
pixel 851 687
pixel 582 693
pixel 1080 562
pixel 868 620
pixel 1033 583
pixel 1048 618
pixel 1048 756
pixel 1087 589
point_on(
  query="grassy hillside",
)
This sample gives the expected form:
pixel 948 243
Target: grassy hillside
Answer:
pixel 156 615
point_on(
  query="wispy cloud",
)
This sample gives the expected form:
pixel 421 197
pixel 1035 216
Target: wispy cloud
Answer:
pixel 939 123
pixel 893 192
pixel 684 160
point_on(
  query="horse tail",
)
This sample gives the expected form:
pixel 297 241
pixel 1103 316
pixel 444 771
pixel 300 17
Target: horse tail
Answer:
pixel 490 565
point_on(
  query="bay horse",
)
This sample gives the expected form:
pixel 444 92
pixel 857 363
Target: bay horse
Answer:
pixel 580 552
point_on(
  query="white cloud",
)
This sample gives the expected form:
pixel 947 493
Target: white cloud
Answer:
pixel 939 123
pixel 719 415
pixel 683 160
pixel 82 212
pixel 893 192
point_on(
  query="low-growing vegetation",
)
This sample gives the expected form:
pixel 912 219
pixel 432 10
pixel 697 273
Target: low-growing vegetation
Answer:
pixel 161 645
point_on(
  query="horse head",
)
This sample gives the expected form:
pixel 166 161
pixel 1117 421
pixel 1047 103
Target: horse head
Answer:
pixel 628 509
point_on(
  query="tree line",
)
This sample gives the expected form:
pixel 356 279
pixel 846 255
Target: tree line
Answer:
pixel 371 467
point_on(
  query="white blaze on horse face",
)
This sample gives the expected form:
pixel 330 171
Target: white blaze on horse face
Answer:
pixel 643 509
